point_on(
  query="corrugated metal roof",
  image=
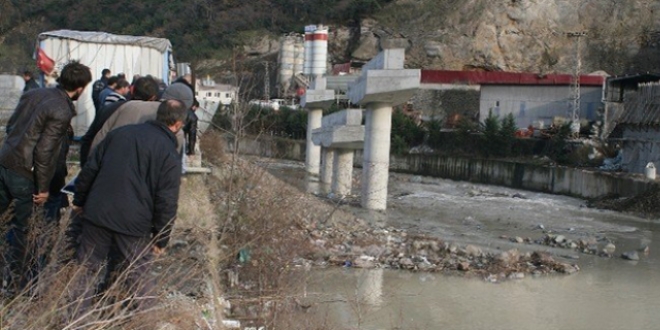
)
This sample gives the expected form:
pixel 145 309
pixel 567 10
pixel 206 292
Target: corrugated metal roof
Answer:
pixel 643 107
pixel 504 78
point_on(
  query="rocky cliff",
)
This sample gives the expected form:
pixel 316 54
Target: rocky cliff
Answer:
pixel 616 36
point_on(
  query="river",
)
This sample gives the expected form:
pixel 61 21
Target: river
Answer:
pixel 608 293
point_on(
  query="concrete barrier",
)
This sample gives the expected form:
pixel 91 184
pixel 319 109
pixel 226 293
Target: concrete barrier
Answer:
pixel 549 179
pixel 11 88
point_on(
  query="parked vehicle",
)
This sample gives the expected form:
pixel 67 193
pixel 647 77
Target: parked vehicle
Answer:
pixel 274 104
pixel 130 55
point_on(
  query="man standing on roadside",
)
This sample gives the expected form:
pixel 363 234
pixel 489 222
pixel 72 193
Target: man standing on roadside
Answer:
pixel 137 167
pixel 30 83
pixel 99 86
pixel 28 157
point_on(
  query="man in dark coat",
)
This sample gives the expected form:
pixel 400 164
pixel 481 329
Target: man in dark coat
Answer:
pixel 30 83
pixel 99 86
pixel 137 168
pixel 145 89
pixel 28 157
pixel 190 129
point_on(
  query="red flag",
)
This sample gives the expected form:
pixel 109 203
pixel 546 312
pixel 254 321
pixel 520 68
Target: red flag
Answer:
pixel 44 63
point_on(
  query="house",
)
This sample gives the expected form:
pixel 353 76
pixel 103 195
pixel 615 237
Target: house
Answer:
pixel 638 129
pixel 533 99
pixel 209 94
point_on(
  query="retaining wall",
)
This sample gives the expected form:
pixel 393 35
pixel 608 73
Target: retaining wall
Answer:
pixel 550 179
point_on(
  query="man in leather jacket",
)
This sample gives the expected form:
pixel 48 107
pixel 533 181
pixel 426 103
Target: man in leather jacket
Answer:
pixel 28 157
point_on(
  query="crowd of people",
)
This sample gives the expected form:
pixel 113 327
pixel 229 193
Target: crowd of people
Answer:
pixel 126 193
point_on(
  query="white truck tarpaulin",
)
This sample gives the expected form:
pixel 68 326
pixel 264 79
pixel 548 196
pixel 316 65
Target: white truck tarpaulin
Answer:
pixel 131 55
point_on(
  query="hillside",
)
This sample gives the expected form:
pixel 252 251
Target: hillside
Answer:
pixel 516 35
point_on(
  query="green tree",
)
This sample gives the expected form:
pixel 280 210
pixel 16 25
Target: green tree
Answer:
pixel 507 135
pixel 491 134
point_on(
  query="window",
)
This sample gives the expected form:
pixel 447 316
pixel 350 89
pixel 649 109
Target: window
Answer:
pixel 227 95
pixel 209 94
pixel 217 94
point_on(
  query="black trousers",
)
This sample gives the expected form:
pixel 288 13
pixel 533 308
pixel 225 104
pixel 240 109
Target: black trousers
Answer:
pixel 18 189
pixel 95 246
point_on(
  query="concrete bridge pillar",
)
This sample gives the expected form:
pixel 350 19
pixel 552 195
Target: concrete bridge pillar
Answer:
pixel 327 162
pixel 313 152
pixel 383 84
pixel 316 99
pixel 342 177
pixel 376 163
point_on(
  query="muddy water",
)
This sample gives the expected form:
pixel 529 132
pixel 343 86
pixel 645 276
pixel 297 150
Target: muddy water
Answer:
pixel 605 294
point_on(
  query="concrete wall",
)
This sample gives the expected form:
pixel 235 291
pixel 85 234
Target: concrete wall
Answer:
pixel 549 179
pixel 11 88
pixel 640 146
pixel 532 103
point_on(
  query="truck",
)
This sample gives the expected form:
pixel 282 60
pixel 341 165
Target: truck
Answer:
pixel 130 55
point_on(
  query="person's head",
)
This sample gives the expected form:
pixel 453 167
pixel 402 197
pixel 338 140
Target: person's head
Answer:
pixel 106 73
pixel 181 92
pixel 112 82
pixel 74 78
pixel 122 87
pixel 172 113
pixel 121 76
pixel 195 105
pixel 145 89
pixel 27 75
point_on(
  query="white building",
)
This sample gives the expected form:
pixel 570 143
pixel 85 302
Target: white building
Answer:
pixel 210 95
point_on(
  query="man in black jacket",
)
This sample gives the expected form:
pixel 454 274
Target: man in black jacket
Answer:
pixel 99 86
pixel 145 89
pixel 128 196
pixel 190 129
pixel 30 83
pixel 28 157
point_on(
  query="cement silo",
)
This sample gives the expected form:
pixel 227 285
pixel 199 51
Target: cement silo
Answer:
pixel 309 35
pixel 298 57
pixel 320 51
pixel 286 61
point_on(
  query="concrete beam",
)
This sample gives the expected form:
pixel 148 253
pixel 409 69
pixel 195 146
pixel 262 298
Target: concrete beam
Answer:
pixel 351 117
pixel 347 137
pixel 388 86
pixel 342 129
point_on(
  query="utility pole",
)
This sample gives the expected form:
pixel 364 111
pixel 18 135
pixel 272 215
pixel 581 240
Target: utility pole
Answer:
pixel 266 81
pixel 575 84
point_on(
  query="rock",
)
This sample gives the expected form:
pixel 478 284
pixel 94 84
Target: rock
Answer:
pixel 504 237
pixel 473 251
pixel 542 258
pixel 406 263
pixel 518 196
pixel 644 250
pixel 261 46
pixel 518 240
pixel 609 249
pixel 464 266
pixel 508 257
pixel 434 48
pixel 560 239
pixel 632 255
pixel 452 248
pixel 572 245
pixel 367 47
pixel 516 276
pixel 567 268
pixel 393 43
pixel 542 227
pixel 416 179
